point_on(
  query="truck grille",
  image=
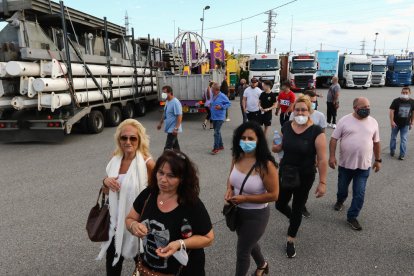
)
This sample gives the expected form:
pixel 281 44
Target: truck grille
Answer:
pixel 302 81
pixel 359 81
pixel 376 79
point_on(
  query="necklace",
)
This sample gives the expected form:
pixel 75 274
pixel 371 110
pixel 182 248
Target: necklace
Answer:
pixel 162 202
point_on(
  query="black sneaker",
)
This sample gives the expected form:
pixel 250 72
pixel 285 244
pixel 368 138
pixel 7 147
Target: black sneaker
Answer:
pixel 392 153
pixel 338 206
pixel 305 213
pixel 353 222
pixel 401 157
pixel 290 250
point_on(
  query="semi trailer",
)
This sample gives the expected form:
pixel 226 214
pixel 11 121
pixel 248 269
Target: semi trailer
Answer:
pixel 327 66
pixel 299 70
pixel 265 67
pixel 354 71
pixel 60 67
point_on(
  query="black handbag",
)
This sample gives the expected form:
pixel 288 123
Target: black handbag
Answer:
pixel 98 222
pixel 290 178
pixel 230 209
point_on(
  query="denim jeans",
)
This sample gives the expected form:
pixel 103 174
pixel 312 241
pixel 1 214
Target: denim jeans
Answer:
pixel 172 142
pixel 404 137
pixel 359 178
pixel 218 141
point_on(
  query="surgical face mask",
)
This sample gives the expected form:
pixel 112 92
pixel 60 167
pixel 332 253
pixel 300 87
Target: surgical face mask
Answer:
pixel 405 96
pixel 314 106
pixel 164 96
pixel 301 120
pixel 247 146
pixel 181 255
pixel 363 112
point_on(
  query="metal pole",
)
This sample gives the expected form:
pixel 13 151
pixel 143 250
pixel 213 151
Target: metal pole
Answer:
pixel 202 31
pixel 291 31
pixel 241 35
pixel 67 53
pixel 108 59
pixel 134 55
pixel 408 40
pixel 375 43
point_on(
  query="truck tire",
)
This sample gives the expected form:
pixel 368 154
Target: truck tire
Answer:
pixel 95 122
pixel 128 111
pixel 113 116
pixel 141 108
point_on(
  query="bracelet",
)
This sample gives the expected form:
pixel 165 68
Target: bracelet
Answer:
pixel 321 182
pixel 103 183
pixel 130 226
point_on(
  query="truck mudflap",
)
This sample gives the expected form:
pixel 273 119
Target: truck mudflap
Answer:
pixel 31 131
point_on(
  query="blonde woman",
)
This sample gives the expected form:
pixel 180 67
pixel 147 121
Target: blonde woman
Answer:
pixel 302 142
pixel 127 176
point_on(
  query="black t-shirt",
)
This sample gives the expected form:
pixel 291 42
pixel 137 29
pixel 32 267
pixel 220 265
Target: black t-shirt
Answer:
pixel 267 99
pixel 166 227
pixel 299 149
pixel 402 111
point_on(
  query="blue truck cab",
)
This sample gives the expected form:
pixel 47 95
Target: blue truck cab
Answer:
pixel 399 71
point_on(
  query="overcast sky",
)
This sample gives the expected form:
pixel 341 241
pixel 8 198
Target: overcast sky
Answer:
pixel 334 24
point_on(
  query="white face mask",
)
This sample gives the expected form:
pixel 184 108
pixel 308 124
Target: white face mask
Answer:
pixel 164 96
pixel 301 120
pixel 181 255
pixel 405 96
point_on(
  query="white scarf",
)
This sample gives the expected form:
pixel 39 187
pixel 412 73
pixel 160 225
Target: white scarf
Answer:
pixel 135 180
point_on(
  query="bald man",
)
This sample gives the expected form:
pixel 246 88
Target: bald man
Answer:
pixel 358 133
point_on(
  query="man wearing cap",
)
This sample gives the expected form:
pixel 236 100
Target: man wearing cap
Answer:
pixel 251 101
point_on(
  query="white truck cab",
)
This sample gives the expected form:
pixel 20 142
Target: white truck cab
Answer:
pixel 265 67
pixel 379 70
pixel 355 71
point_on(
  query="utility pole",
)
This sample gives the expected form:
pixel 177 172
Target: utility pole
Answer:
pixel 291 31
pixel 270 30
pixel 126 23
pixel 255 44
pixel 321 46
pixel 363 47
pixel 241 35
pixel 375 42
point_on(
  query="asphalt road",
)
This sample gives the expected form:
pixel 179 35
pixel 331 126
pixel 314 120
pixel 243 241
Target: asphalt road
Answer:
pixel 48 190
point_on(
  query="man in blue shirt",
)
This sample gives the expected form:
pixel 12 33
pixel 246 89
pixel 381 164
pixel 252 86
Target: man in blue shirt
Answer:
pixel 218 106
pixel 172 117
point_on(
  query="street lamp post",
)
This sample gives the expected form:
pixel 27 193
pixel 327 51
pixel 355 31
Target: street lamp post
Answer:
pixel 202 27
pixel 375 42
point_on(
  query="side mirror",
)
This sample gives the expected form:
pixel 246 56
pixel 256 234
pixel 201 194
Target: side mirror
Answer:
pixel 347 67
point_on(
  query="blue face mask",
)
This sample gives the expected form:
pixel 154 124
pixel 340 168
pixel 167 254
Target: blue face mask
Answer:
pixel 247 146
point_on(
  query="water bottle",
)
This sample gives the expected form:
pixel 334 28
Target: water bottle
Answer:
pixel 186 229
pixel 277 139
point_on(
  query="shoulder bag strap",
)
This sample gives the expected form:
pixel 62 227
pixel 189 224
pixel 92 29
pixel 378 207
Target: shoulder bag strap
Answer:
pixel 245 179
pixel 143 208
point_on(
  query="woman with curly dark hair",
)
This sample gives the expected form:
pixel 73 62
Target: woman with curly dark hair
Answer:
pixel 251 154
pixel 170 219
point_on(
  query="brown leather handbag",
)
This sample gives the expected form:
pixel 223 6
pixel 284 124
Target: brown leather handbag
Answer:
pixel 98 222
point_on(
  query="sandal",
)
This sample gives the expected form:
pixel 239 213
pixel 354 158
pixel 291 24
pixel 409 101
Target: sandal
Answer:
pixel 204 125
pixel 262 270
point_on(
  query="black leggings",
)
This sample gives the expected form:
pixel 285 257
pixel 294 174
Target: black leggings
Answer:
pixel 251 225
pixel 208 117
pixel 300 196
pixel 110 255
pixel 330 113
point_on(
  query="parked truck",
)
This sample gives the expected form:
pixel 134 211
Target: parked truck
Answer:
pixel 60 67
pixel 399 71
pixel 299 70
pixel 327 66
pixel 266 67
pixel 354 71
pixel 379 69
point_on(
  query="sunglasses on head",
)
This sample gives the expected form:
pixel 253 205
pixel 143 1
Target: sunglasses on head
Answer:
pixel 131 138
pixel 301 109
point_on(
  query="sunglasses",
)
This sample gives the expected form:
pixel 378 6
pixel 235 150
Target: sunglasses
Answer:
pixel 131 138
pixel 301 109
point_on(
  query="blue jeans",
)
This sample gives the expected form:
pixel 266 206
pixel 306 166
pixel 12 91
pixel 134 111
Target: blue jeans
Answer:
pixel 359 183
pixel 404 137
pixel 218 141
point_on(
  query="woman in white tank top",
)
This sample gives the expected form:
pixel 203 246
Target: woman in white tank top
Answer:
pixel 262 186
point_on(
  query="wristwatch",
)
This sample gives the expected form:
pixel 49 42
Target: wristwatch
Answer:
pixel 176 128
pixel 378 160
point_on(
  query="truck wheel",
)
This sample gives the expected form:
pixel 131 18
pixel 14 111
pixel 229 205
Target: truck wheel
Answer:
pixel 141 108
pixel 128 111
pixel 113 116
pixel 95 122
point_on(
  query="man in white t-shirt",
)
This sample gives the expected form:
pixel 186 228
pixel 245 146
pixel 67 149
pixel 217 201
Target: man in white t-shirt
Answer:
pixel 251 101
pixel 359 139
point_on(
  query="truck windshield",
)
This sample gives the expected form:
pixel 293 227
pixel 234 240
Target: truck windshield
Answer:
pixel 402 67
pixel 379 68
pixel 264 65
pixel 303 65
pixel 360 67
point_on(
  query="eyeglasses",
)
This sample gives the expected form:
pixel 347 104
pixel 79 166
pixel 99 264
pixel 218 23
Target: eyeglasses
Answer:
pixel 131 138
pixel 301 109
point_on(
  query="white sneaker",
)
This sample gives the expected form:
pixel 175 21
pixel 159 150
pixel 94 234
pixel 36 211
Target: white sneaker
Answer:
pixel 330 125
pixel 333 126
pixel 228 120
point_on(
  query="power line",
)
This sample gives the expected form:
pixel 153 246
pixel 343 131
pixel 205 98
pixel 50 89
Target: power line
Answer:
pixel 246 18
